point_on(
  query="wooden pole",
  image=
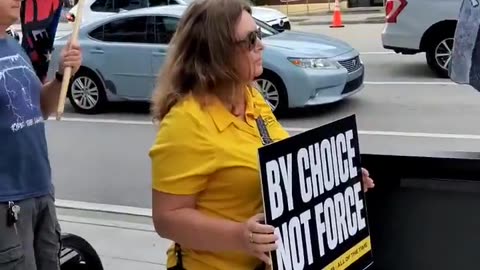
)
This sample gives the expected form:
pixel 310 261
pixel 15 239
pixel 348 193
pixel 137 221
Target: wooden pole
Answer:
pixel 67 73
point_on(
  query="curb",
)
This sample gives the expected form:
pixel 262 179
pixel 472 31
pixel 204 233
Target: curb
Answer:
pixel 346 22
pixel 330 12
pixel 107 223
pixel 104 208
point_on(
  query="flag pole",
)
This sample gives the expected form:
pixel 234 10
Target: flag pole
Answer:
pixel 67 73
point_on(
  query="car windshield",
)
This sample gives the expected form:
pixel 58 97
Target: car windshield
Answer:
pixel 266 29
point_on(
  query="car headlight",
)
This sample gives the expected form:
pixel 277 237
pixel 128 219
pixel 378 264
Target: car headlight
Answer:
pixel 315 63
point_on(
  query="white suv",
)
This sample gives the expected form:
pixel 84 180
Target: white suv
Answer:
pixel 415 26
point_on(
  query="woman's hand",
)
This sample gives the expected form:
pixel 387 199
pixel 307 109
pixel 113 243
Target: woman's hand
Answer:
pixel 259 239
pixel 367 181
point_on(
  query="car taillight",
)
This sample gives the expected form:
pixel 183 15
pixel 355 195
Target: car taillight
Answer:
pixel 70 17
pixel 393 8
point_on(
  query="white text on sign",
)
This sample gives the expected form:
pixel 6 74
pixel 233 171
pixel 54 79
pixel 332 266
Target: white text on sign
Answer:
pixel 321 167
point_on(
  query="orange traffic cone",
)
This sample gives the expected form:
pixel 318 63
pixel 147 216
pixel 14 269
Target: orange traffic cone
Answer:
pixel 337 16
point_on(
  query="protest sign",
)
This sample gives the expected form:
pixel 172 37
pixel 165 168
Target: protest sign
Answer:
pixel 313 196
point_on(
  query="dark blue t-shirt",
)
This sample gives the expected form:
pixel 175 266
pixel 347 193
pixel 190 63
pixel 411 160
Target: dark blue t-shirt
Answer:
pixel 24 164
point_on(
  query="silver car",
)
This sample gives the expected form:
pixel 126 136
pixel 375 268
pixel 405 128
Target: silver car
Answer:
pixel 124 52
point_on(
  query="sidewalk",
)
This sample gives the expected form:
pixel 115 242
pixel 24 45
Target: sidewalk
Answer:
pixel 366 18
pixel 123 242
pixel 321 14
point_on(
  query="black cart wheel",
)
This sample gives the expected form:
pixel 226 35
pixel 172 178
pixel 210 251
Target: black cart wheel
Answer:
pixel 78 254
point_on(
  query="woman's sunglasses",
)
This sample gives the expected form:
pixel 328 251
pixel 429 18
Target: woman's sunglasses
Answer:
pixel 251 40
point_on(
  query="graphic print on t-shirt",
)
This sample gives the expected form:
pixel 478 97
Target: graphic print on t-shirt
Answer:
pixel 16 77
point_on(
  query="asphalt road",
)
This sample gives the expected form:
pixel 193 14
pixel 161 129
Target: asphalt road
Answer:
pixel 402 109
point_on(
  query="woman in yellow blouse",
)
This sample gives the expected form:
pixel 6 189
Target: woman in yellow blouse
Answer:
pixel 205 178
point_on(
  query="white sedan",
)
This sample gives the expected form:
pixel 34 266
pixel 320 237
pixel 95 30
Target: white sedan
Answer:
pixel 99 8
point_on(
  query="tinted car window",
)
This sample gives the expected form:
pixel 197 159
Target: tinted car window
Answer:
pixel 97 33
pixel 266 29
pixel 134 29
pixel 102 6
pixel 132 4
pixel 165 27
pixel 117 5
pixel 154 3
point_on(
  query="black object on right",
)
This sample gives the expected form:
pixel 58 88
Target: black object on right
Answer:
pixel 78 254
pixel 423 209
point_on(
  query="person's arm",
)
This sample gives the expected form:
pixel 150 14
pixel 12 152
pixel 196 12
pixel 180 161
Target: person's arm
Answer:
pixel 49 97
pixel 183 156
pixel 176 218
pixel 71 56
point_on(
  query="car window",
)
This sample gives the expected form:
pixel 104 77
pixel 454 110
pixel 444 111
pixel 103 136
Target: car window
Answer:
pixel 165 27
pixel 266 29
pixel 117 5
pixel 139 29
pixel 132 4
pixel 102 6
pixel 154 3
pixel 97 33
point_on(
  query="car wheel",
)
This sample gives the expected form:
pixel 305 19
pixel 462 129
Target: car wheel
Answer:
pixel 273 91
pixel 78 254
pixel 86 93
pixel 439 54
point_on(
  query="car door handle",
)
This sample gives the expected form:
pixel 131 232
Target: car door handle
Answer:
pixel 159 52
pixel 96 51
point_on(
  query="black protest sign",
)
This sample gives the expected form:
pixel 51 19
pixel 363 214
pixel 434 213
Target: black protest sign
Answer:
pixel 313 196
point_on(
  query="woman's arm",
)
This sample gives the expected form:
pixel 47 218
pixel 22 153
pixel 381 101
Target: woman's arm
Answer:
pixel 183 157
pixel 176 218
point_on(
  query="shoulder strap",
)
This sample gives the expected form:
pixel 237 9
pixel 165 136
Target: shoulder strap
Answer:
pixel 178 254
pixel 262 128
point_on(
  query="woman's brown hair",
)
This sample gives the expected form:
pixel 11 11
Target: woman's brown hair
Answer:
pixel 202 55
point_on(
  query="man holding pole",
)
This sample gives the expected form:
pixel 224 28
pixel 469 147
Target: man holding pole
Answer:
pixel 29 230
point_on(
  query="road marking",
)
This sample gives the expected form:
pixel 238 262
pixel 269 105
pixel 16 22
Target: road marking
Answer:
pixel 104 121
pixel 411 83
pixel 376 53
pixel 298 129
pixel 420 135
pixel 406 134
pixel 116 224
